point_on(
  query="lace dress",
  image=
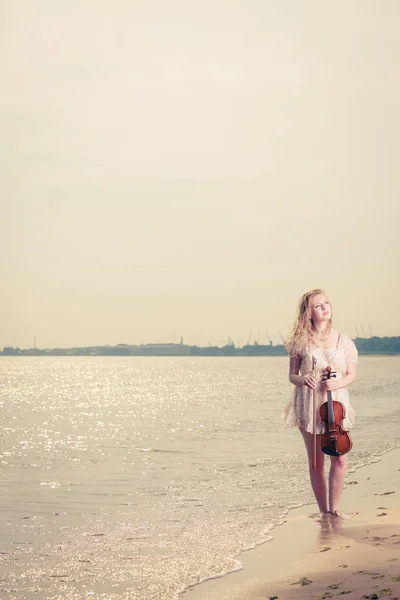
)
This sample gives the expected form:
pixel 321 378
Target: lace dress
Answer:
pixel 298 412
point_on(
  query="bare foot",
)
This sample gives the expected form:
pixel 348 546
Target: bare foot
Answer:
pixel 323 516
pixel 341 515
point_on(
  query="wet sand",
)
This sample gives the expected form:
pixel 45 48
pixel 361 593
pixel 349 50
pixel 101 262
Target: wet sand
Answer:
pixel 357 557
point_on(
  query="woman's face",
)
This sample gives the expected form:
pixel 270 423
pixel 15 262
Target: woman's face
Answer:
pixel 320 309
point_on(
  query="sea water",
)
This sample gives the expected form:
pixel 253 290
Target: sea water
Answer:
pixel 139 477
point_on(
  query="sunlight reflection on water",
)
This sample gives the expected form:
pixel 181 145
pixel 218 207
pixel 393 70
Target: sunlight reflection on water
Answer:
pixel 135 478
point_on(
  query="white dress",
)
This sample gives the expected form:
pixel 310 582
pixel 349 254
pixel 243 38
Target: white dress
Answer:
pixel 298 412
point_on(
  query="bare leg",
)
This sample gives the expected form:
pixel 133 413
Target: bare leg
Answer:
pixel 317 477
pixel 337 474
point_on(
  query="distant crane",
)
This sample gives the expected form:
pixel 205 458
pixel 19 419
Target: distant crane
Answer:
pixel 229 343
pixel 281 336
pixel 249 340
pixel 363 332
pixel 269 339
pixel 370 330
pixel 357 334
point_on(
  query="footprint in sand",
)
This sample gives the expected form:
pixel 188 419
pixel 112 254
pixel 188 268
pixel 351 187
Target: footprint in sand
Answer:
pixel 371 574
pixel 380 594
pixel 302 581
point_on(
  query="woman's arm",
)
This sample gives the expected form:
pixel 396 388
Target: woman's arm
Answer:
pixel 307 379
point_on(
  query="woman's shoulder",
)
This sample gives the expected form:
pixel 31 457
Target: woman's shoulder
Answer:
pixel 349 348
pixel 344 338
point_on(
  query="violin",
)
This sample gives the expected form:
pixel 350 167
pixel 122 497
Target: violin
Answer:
pixel 335 440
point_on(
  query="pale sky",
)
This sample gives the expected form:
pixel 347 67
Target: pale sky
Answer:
pixel 189 168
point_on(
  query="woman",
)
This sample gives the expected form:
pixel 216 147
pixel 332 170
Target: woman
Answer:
pixel 313 336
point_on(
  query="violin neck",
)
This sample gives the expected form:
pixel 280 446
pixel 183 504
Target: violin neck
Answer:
pixel 331 414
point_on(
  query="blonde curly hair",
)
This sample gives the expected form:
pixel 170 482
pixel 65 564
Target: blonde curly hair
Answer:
pixel 302 334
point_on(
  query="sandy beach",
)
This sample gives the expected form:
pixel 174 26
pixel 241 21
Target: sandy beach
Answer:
pixel 357 557
pixel 158 486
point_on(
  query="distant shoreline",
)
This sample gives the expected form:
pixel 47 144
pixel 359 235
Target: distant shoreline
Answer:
pixel 373 346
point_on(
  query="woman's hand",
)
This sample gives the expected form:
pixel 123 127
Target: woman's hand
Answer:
pixel 330 385
pixel 309 381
